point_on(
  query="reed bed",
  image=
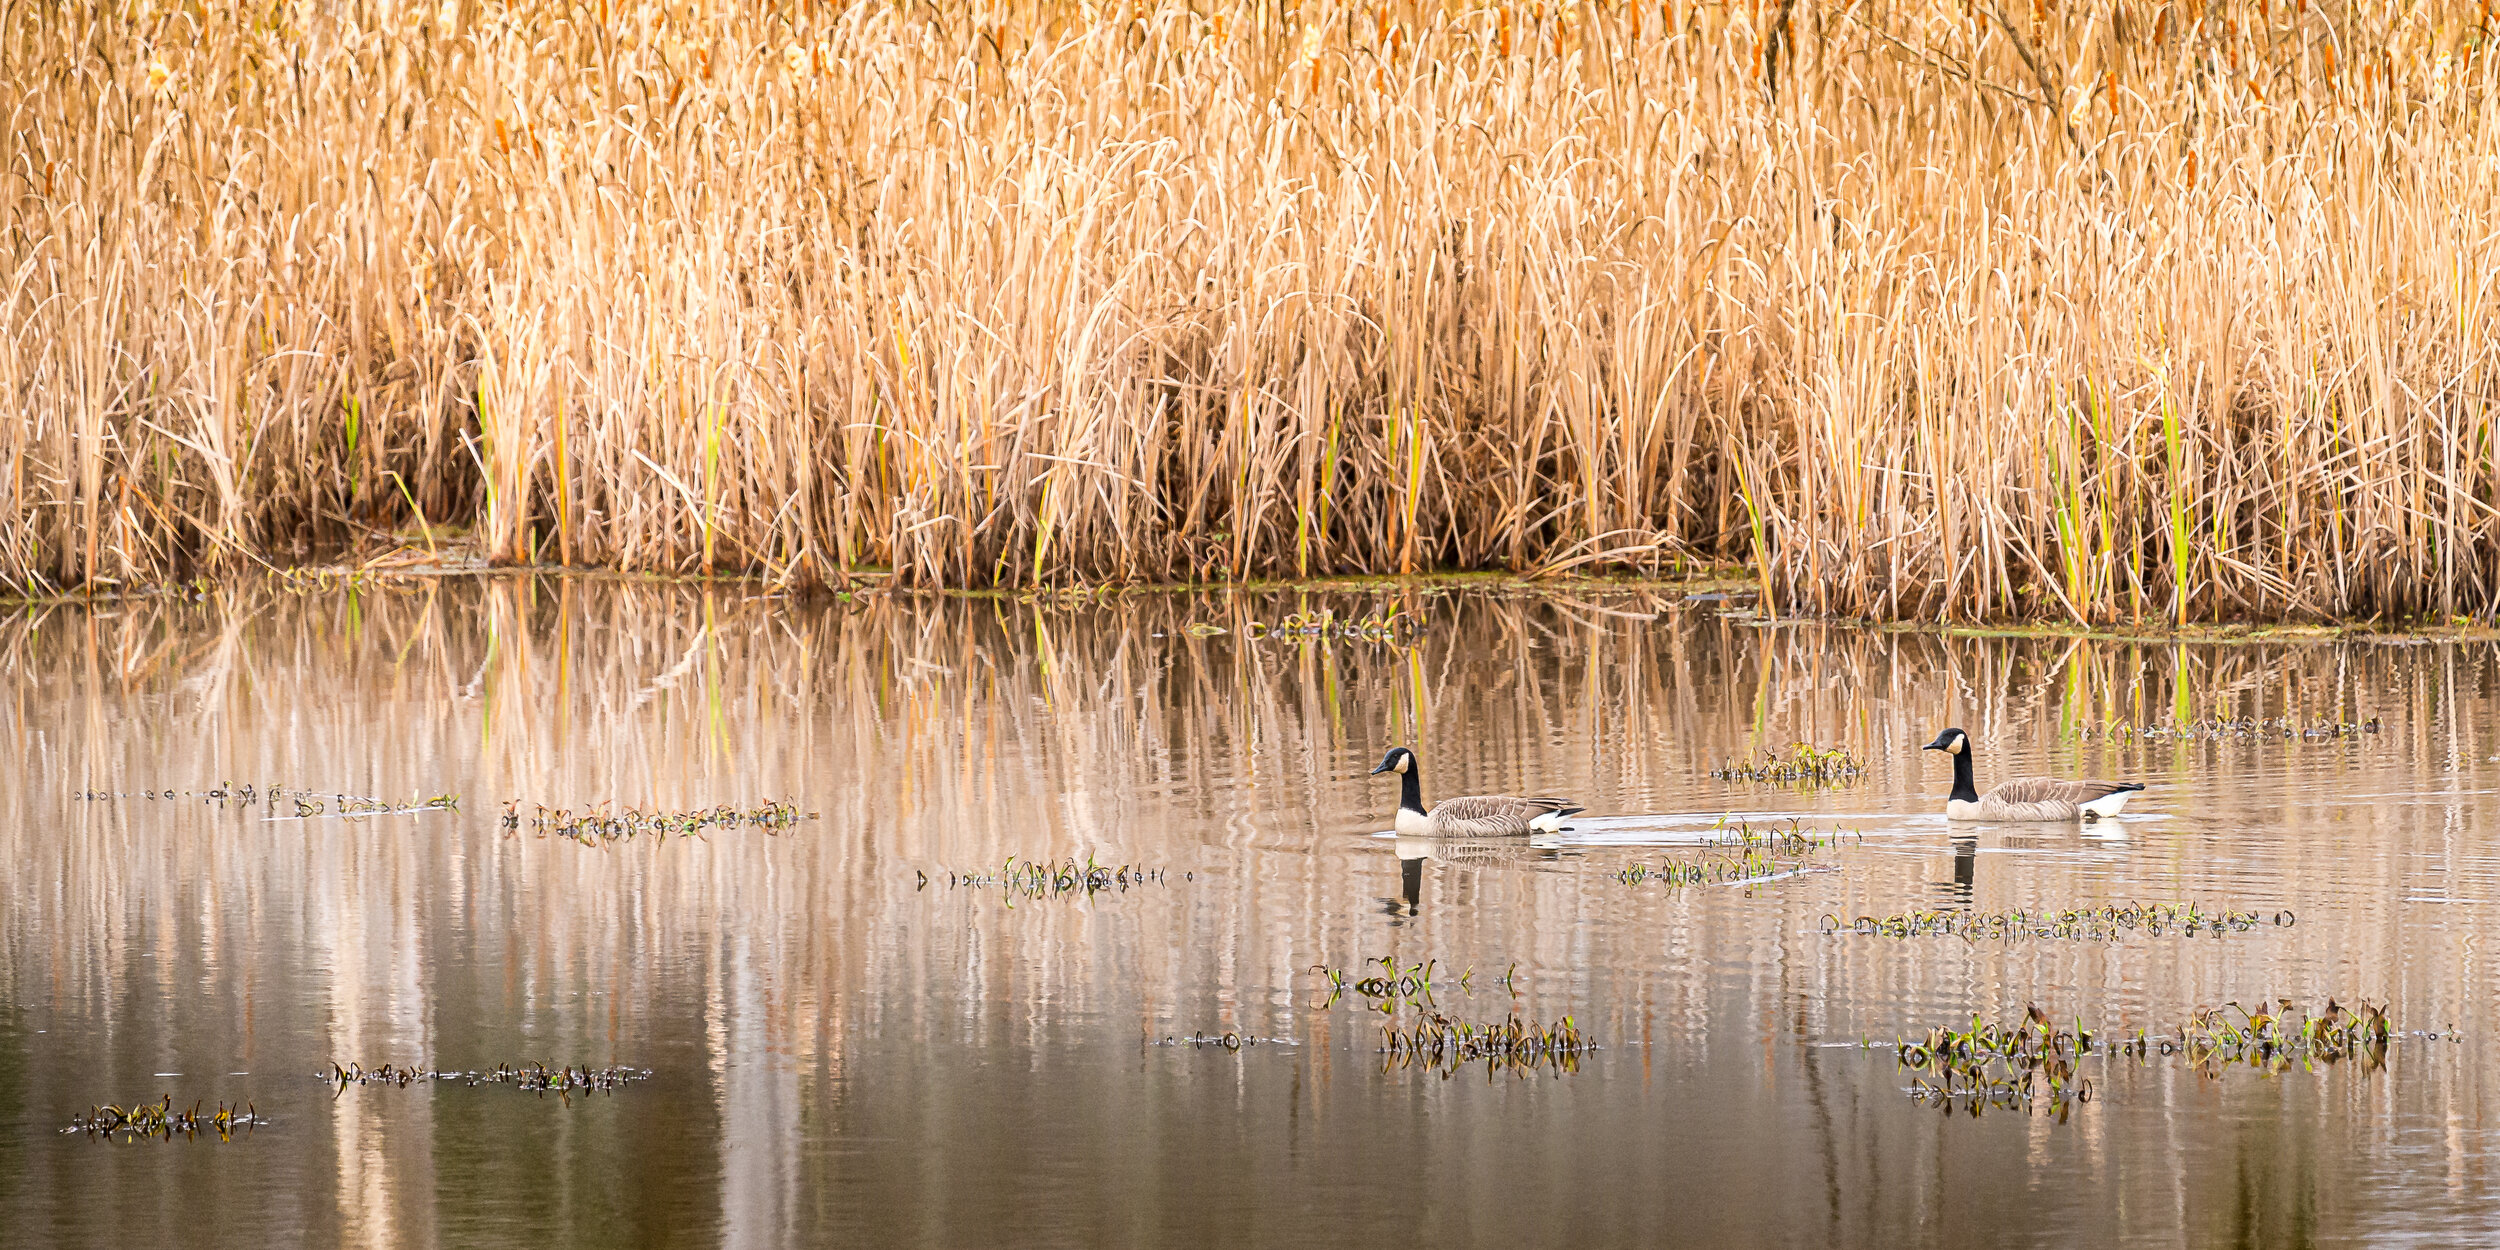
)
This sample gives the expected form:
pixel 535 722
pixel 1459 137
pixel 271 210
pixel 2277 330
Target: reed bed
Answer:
pixel 2107 312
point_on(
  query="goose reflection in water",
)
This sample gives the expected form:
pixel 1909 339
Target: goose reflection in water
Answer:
pixel 1413 850
pixel 1965 871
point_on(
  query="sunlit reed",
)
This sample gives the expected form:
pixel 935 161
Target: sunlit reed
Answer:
pixel 2107 312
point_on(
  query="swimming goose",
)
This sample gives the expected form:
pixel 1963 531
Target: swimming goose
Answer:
pixel 2030 798
pixel 1474 816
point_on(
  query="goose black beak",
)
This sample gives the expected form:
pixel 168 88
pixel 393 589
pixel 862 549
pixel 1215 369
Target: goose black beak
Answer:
pixel 1384 767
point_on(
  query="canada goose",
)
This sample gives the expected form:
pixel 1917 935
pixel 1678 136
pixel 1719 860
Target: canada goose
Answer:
pixel 1476 815
pixel 2030 798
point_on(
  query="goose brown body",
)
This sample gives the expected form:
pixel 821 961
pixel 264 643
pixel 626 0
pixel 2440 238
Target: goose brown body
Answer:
pixel 1468 816
pixel 2026 798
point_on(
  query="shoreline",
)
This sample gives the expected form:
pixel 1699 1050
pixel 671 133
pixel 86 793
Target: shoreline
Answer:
pixel 1733 589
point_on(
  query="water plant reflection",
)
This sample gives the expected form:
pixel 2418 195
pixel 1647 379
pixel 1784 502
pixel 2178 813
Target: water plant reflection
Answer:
pixel 305 803
pixel 1439 1043
pixel 2033 1064
pixel 2089 924
pixel 1024 878
pixel 1395 625
pixel 599 825
pixel 1224 1041
pixel 160 1120
pixel 536 1078
pixel 1744 855
pixel 2219 729
pixel 1392 987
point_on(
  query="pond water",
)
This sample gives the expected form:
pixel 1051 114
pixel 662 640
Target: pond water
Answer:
pixel 846 1044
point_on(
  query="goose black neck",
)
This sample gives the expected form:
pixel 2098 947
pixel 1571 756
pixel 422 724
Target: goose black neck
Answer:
pixel 1411 789
pixel 1962 787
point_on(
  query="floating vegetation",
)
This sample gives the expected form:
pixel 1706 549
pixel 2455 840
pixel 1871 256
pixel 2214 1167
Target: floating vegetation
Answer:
pixel 1438 1043
pixel 598 825
pixel 2028 1067
pixel 282 802
pixel 1392 986
pixel 1072 594
pixel 1397 625
pixel 1223 1041
pixel 2089 924
pixel 160 1120
pixel 2221 729
pixel 536 1078
pixel 1804 764
pixel 2033 1065
pixel 1744 855
pixel 1035 879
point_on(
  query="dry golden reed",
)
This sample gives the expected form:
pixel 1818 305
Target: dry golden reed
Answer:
pixel 2104 312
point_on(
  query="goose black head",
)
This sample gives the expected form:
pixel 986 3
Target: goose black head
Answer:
pixel 1398 760
pixel 1951 740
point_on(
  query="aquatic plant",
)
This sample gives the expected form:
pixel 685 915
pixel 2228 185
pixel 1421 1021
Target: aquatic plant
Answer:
pixel 1437 1042
pixel 160 1119
pixel 1223 1041
pixel 1035 879
pixel 1793 839
pixel 1390 988
pixel 1741 855
pixel 536 1078
pixel 599 826
pixel 1397 625
pixel 300 804
pixel 2021 1068
pixel 1803 764
pixel 1432 1039
pixel 2222 729
pixel 2033 1063
pixel 2106 923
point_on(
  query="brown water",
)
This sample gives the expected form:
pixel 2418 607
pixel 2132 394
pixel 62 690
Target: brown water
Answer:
pixel 844 1055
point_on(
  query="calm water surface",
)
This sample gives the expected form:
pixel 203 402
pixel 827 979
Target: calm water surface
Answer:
pixel 844 1055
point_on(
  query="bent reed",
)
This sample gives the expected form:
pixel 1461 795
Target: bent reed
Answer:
pixel 2113 312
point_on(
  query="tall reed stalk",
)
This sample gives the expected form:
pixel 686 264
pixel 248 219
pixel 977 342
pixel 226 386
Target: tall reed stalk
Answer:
pixel 2108 312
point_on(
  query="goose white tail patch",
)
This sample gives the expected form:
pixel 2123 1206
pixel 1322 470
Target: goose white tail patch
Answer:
pixel 1550 822
pixel 2108 804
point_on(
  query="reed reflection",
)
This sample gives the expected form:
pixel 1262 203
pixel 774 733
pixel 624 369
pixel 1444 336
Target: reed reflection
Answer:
pixel 843 1051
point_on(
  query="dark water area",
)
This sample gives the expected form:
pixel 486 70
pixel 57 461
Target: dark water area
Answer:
pixel 847 1045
